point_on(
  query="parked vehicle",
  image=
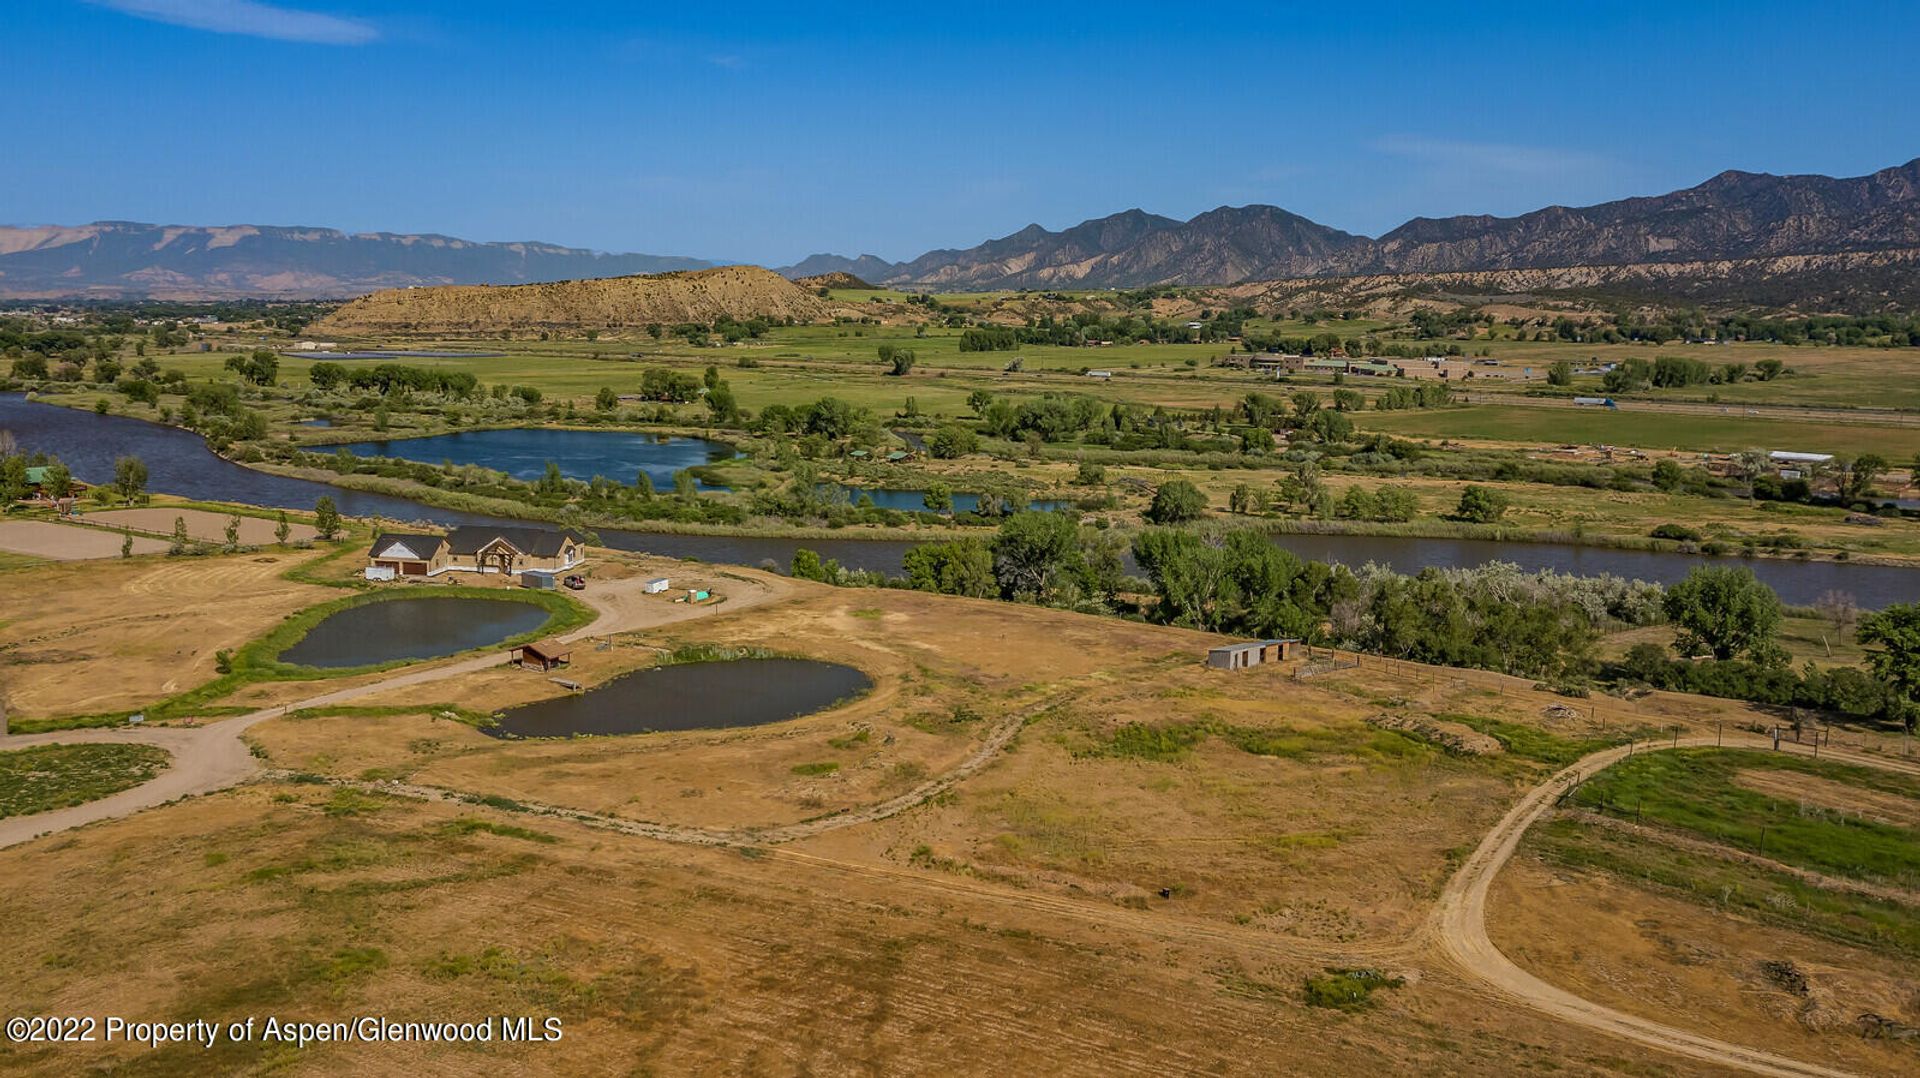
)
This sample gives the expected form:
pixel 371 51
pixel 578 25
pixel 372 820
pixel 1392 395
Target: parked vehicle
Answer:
pixel 577 582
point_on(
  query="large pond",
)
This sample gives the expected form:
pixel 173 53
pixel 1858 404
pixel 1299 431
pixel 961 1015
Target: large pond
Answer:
pixel 423 628
pixel 690 696
pixel 181 464
pixel 523 452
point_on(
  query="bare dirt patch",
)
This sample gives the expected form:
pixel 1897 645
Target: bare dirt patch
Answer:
pixel 201 525
pixel 1812 790
pixel 62 542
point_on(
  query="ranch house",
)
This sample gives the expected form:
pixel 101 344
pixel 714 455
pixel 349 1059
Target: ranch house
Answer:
pixel 476 549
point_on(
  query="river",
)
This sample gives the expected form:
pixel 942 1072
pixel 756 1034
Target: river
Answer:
pixel 180 463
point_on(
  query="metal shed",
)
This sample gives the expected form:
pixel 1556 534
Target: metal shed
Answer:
pixel 1253 653
pixel 538 578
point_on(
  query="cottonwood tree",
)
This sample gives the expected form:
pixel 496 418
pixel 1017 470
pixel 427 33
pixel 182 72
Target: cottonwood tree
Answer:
pixel 1727 611
pixel 1893 637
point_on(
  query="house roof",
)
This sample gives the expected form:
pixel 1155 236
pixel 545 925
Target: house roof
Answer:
pixel 537 542
pixel 422 546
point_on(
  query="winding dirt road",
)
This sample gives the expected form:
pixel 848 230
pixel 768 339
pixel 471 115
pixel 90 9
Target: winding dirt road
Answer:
pixel 1458 926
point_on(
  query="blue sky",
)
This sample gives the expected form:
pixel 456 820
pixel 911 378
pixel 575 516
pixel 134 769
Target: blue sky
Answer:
pixel 766 132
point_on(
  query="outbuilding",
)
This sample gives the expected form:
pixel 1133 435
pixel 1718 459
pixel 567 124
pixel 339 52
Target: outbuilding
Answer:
pixel 542 655
pixel 1252 653
pixel 539 579
pixel 657 585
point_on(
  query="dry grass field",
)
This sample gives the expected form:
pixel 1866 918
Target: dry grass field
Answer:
pixel 113 634
pixel 1142 879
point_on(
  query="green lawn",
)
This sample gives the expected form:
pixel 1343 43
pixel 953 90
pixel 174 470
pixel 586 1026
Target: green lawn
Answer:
pixel 48 777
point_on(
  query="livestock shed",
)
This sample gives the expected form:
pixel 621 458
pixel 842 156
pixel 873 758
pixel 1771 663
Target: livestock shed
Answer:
pixel 1252 653
pixel 542 655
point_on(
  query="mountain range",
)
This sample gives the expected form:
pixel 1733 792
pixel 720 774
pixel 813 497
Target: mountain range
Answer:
pixel 1735 215
pixel 110 259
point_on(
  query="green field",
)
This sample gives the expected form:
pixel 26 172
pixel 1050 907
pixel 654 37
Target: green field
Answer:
pixel 1645 430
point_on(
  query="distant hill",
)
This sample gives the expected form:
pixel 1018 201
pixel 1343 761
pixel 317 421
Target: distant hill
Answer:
pixel 832 280
pixel 866 267
pixel 738 292
pixel 1735 215
pixel 111 259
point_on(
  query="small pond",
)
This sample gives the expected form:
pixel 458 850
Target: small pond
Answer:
pixel 423 628
pixel 523 452
pixel 690 696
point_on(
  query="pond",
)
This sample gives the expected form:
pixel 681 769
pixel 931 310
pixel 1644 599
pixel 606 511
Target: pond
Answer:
pixel 689 696
pixel 523 453
pixel 422 628
pixel 915 501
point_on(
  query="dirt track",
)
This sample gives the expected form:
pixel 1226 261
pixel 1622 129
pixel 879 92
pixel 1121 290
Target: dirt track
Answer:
pixel 1459 929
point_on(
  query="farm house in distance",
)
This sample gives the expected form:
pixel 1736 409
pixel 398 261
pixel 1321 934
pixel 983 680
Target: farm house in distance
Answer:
pixel 475 549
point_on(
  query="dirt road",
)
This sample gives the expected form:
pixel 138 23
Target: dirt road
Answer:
pixel 214 757
pixel 1459 929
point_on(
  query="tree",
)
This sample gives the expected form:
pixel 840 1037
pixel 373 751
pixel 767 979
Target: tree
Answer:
pixel 283 529
pixel 326 517
pixel 952 440
pixel 1177 502
pixel 126 543
pixel 1727 611
pixel 59 482
pixel 643 486
pixel 1893 635
pixel 326 376
pixel 961 567
pixel 1668 475
pixel 1481 505
pixel 900 360
pixel 606 400
pixel 1560 374
pixel 130 477
pixel 1329 427
pixel 233 532
pixel 1769 369
pixel 721 402
pixel 181 539
pixel 808 565
pixel 1856 478
pixel 1032 553
pixel 939 497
